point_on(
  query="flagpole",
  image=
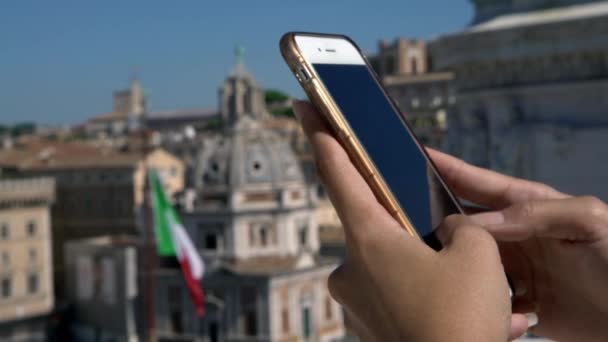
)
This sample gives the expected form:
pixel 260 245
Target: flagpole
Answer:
pixel 151 256
pixel 149 242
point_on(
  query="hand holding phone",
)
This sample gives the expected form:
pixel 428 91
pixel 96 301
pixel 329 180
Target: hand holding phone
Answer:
pixel 394 287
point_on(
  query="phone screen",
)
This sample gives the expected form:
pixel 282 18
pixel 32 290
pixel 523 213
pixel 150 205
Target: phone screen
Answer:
pixel 390 145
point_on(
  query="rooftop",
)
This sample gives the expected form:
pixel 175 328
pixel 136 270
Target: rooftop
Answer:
pixel 107 241
pixel 30 189
pixel 543 16
pixel 41 154
pixel 276 265
pixel 109 117
pixel 183 114
pixel 419 78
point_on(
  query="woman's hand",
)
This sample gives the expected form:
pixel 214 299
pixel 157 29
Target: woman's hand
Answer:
pixel 554 247
pixel 394 287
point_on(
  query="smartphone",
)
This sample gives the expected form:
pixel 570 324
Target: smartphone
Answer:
pixel 342 86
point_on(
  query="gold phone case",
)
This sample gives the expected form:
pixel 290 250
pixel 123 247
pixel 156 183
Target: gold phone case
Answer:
pixel 320 97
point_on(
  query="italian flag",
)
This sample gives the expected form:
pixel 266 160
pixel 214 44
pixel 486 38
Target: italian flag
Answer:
pixel 173 241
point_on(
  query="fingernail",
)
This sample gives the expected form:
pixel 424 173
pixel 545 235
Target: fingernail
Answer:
pixel 489 218
pixel 520 289
pixel 532 318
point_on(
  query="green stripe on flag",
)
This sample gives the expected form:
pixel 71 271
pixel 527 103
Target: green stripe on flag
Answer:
pixel 162 208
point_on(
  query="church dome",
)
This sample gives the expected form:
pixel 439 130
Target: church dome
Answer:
pixel 247 166
pixel 246 155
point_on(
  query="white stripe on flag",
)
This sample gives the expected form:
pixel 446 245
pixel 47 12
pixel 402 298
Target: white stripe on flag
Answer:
pixel 185 248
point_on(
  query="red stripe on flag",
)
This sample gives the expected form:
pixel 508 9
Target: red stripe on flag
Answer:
pixel 196 291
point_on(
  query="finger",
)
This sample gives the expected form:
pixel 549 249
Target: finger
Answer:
pixel 487 187
pixel 461 235
pixel 360 329
pixel 519 325
pixel 352 197
pixel 572 219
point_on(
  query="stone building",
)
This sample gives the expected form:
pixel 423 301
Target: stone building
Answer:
pixel 253 219
pixel 176 122
pixel 99 191
pixel 424 95
pixel 26 269
pixel 102 288
pixel 532 79
pixel 128 111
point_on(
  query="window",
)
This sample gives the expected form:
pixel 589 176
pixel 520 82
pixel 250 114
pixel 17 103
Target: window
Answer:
pixel 6 287
pixel 261 234
pixel 211 241
pixel 31 228
pixel 390 65
pixel 264 236
pixel 260 196
pixel 6 258
pixel 296 195
pixel 414 64
pixel 306 322
pixel 328 308
pixel 251 328
pixel 214 333
pixel 252 239
pixel 303 234
pixel 248 303
pixel 32 254
pixel 32 283
pixel 174 298
pixel 176 321
pixel 285 320
pixel 5 231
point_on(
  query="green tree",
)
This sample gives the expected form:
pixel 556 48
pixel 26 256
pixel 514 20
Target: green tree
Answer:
pixel 283 112
pixel 23 128
pixel 214 124
pixel 273 95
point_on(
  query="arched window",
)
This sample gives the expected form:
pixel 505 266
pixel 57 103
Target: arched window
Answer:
pixel 414 65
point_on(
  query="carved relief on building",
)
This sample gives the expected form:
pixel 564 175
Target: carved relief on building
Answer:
pixel 533 70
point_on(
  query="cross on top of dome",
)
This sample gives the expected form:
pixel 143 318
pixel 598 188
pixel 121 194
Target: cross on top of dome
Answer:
pixel 239 54
pixel 240 95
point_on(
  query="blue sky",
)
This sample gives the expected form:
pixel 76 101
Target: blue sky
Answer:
pixel 61 60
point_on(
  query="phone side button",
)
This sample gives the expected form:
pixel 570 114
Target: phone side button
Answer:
pixel 390 207
pixel 344 135
pixel 373 177
pixel 366 167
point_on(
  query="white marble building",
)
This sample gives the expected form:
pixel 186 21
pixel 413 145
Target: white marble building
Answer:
pixel 252 216
pixel 532 80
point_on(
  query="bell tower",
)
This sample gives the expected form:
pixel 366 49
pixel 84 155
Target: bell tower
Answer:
pixel 240 95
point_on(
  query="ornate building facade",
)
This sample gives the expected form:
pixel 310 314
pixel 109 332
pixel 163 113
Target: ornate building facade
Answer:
pixel 99 191
pixel 26 267
pixel 532 79
pixel 252 216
